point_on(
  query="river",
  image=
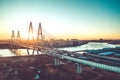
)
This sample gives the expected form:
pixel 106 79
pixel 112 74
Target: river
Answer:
pixel 15 52
pixel 88 46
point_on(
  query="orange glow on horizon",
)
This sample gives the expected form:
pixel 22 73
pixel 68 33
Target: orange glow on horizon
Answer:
pixel 24 36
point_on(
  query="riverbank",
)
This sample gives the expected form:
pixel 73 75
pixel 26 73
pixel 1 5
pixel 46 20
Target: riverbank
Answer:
pixel 41 67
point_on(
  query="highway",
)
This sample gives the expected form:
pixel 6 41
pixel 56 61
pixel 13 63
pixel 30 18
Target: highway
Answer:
pixel 93 57
pixel 86 60
pixel 104 59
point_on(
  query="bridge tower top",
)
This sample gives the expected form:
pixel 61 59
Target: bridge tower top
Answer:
pixel 30 32
pixel 39 35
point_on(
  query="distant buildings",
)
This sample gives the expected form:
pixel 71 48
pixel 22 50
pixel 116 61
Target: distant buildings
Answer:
pixel 74 42
pixel 64 43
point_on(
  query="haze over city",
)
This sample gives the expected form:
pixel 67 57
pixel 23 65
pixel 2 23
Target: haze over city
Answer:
pixel 80 19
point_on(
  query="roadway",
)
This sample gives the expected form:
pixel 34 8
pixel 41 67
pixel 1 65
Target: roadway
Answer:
pixel 86 60
pixel 92 57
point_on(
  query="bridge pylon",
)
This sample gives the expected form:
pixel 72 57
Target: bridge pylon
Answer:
pixel 30 38
pixel 79 68
pixel 39 37
pixel 18 36
pixel 12 38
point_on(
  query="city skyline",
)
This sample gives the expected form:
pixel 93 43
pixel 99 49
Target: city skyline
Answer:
pixel 80 19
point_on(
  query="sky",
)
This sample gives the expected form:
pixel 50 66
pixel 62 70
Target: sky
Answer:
pixel 61 19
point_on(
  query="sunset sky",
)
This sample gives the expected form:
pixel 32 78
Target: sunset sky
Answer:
pixel 81 19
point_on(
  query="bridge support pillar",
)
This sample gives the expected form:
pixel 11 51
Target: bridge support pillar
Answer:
pixel 69 61
pixel 56 61
pixel 79 68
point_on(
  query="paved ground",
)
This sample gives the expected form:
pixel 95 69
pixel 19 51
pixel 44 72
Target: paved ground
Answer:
pixel 41 68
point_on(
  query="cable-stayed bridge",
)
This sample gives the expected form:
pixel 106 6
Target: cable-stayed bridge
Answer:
pixel 38 45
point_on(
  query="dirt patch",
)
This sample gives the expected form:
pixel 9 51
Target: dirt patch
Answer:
pixel 41 67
